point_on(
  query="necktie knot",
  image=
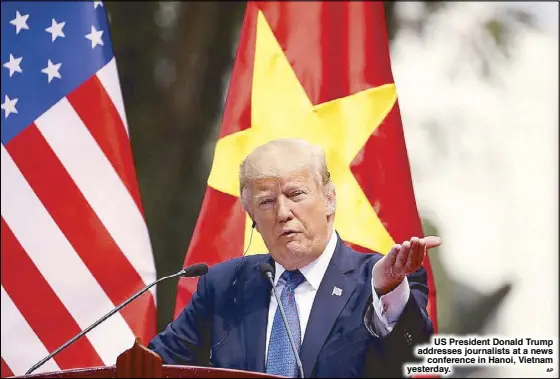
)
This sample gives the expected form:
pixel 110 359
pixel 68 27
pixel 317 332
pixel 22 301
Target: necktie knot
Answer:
pixel 293 278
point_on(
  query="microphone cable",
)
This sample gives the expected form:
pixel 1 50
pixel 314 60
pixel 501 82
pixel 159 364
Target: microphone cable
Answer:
pixel 232 285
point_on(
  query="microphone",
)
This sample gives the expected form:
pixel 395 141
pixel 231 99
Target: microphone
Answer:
pixel 267 270
pixel 187 272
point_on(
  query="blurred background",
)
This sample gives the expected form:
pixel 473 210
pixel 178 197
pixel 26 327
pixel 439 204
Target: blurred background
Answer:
pixel 478 92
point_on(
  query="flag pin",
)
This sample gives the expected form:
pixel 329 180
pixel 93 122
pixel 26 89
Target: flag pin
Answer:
pixel 337 291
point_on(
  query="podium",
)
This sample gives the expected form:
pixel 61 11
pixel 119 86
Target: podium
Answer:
pixel 139 362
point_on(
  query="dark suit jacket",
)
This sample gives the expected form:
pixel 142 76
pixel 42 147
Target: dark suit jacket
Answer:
pixel 225 323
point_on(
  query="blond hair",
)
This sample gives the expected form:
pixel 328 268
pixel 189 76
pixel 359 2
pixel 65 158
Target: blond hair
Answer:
pixel 297 152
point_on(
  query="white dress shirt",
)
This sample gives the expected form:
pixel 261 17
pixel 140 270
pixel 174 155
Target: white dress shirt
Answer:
pixel 387 308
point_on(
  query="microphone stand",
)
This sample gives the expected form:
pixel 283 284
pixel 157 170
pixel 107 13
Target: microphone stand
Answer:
pixel 184 272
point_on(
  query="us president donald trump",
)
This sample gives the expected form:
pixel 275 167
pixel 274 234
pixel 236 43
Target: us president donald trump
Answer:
pixel 350 314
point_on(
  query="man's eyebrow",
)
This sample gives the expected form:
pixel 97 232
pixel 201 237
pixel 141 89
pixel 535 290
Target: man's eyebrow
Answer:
pixel 292 187
pixel 262 194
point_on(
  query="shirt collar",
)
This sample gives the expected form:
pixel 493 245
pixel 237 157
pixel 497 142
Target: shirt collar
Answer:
pixel 315 271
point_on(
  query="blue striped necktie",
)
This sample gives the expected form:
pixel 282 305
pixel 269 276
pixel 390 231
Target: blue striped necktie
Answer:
pixel 280 359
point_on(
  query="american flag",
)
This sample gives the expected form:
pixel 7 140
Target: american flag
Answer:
pixel 74 240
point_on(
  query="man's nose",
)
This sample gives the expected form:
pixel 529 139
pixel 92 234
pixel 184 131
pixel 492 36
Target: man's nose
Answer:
pixel 284 210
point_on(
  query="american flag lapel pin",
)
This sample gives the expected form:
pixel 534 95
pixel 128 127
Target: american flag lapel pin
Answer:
pixel 336 291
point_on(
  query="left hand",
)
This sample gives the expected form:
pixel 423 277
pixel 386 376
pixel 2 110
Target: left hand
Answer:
pixel 402 260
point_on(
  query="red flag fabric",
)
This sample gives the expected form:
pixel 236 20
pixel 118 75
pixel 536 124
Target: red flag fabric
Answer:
pixel 320 71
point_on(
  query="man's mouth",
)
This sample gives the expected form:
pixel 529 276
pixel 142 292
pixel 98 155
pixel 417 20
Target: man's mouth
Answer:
pixel 288 233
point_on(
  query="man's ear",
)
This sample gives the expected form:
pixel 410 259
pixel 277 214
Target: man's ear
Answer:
pixel 330 208
pixel 331 201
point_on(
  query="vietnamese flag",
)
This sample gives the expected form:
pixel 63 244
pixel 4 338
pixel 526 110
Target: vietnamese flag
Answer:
pixel 319 71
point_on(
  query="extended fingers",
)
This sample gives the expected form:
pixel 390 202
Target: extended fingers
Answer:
pixel 419 258
pixel 412 256
pixel 432 241
pixel 393 253
pixel 409 256
pixel 402 257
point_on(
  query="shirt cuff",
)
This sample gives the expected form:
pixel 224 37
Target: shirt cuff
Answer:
pixel 387 309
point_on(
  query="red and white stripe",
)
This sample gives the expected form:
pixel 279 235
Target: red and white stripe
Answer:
pixel 74 240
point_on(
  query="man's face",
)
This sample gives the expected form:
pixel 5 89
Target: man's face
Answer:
pixel 291 213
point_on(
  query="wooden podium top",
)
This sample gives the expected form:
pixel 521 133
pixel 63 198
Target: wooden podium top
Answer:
pixel 168 371
pixel 140 362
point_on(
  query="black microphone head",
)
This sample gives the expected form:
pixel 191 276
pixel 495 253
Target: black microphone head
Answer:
pixel 194 270
pixel 265 269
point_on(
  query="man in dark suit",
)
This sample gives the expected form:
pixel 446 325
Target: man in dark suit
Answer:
pixel 350 314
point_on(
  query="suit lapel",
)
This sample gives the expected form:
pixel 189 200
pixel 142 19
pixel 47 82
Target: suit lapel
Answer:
pixel 327 306
pixel 254 307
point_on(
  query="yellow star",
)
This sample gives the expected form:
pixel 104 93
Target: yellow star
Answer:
pixel 281 109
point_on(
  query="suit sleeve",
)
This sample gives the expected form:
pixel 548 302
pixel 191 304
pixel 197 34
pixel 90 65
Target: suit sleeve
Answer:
pixel 412 327
pixel 185 341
